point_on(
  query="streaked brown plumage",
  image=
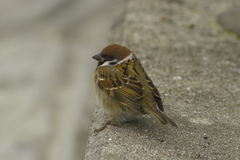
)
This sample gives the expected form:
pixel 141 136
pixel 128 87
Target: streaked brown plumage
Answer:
pixel 123 88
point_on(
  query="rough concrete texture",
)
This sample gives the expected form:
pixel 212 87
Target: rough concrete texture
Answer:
pixel 196 66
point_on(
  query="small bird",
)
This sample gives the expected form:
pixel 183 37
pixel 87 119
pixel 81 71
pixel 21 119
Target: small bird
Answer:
pixel 123 88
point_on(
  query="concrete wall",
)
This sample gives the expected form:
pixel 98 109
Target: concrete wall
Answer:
pixel 195 64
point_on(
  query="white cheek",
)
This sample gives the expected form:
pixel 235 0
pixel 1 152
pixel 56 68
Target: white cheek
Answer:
pixel 105 63
pixel 108 63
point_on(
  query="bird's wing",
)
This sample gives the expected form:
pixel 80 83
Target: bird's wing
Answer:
pixel 121 82
pixel 155 93
pixel 152 87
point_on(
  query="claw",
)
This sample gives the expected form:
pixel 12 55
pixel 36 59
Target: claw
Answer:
pixel 108 122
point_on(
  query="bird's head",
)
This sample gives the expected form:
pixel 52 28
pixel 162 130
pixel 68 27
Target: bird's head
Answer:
pixel 112 54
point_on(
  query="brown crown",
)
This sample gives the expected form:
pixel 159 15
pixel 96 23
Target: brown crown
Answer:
pixel 117 51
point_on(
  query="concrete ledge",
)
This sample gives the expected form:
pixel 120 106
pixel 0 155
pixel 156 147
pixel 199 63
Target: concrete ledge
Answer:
pixel 195 64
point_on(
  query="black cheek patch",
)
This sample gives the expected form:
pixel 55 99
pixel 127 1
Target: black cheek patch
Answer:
pixel 100 63
pixel 113 63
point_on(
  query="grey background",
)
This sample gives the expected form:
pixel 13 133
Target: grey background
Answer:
pixel 46 69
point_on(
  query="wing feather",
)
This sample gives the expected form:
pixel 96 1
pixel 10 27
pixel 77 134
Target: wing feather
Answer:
pixel 155 93
pixel 121 82
pixel 124 88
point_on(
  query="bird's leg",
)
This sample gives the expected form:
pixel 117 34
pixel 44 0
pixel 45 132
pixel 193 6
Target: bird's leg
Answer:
pixel 108 122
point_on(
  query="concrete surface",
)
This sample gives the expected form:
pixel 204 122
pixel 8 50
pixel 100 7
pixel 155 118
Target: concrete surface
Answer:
pixel 195 64
pixel 229 19
pixel 46 75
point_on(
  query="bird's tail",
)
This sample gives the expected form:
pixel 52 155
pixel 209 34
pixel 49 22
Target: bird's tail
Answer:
pixel 162 118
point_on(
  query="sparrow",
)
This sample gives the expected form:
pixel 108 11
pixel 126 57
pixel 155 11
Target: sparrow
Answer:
pixel 123 88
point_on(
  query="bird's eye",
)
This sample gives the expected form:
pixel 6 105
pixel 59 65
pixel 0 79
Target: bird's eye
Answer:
pixel 110 57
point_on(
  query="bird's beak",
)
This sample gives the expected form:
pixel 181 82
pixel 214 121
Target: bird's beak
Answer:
pixel 98 57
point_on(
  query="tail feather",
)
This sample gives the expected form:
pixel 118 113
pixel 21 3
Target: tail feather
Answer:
pixel 162 118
